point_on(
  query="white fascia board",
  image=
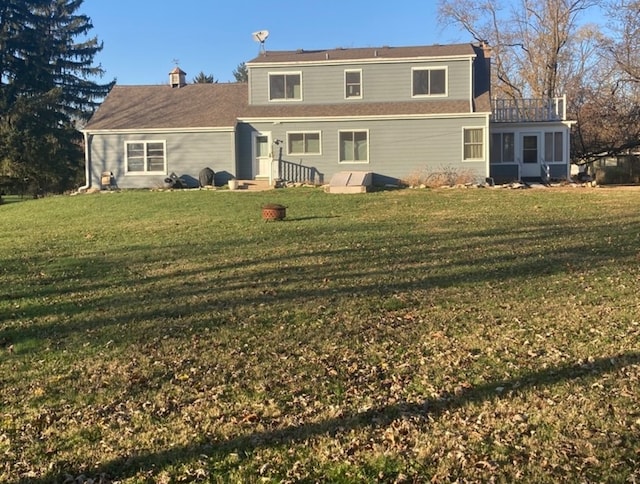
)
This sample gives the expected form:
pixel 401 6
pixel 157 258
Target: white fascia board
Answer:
pixel 222 129
pixel 380 117
pixel 370 60
pixel 497 126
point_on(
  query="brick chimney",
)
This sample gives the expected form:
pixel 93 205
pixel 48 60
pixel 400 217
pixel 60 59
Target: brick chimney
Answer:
pixel 486 49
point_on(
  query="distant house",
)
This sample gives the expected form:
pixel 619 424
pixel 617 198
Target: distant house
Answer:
pixel 306 115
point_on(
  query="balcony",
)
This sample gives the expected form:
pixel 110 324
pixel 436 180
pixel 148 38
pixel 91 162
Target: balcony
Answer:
pixel 529 110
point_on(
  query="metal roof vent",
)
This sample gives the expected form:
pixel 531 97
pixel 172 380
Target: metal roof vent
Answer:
pixel 177 77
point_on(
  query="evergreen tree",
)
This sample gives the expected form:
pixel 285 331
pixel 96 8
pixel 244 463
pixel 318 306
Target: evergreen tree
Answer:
pixel 241 73
pixel 45 89
pixel 203 78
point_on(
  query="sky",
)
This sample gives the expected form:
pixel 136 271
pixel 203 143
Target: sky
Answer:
pixel 145 39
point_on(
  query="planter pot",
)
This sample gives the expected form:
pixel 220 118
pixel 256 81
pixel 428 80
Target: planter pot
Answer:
pixel 233 184
pixel 273 211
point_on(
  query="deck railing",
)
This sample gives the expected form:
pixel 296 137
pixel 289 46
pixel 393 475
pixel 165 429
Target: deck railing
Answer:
pixel 297 173
pixel 529 110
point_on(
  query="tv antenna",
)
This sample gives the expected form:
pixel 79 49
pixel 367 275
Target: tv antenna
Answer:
pixel 260 36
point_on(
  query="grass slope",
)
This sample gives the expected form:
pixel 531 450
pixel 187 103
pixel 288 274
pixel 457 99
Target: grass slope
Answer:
pixel 403 336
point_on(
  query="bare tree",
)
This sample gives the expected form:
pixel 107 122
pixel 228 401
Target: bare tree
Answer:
pixel 608 107
pixel 624 46
pixel 532 41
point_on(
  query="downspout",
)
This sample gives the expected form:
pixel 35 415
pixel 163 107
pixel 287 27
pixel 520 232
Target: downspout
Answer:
pixel 472 83
pixel 487 146
pixel 87 171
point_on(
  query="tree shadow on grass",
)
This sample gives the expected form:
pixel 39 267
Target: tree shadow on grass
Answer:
pixel 77 294
pixel 129 466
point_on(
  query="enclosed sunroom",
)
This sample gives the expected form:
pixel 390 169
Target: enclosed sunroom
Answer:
pixel 530 140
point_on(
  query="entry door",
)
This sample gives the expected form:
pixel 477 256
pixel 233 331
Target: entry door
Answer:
pixel 262 155
pixel 530 154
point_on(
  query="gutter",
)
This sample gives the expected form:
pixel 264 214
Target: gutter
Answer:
pixel 87 171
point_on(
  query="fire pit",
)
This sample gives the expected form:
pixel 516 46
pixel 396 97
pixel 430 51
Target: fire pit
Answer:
pixel 273 211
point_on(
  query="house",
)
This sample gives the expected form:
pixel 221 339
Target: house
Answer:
pixel 307 115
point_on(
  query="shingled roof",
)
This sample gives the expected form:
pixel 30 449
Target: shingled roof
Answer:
pixel 407 108
pixel 362 53
pixel 222 105
pixel 164 107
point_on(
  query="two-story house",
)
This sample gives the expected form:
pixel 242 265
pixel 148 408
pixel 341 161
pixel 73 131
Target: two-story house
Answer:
pixel 306 115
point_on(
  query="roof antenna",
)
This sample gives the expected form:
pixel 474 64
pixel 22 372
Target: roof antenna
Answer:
pixel 261 36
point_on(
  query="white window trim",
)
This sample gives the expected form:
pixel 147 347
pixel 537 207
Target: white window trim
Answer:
pixel 354 162
pixel 290 153
pixel 145 172
pixel 446 82
pixel 349 98
pixel 484 144
pixel 283 73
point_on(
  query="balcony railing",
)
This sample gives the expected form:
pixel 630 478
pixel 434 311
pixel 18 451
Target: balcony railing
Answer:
pixel 529 110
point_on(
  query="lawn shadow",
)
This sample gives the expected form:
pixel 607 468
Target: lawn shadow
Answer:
pixel 308 274
pixel 129 466
pixel 310 217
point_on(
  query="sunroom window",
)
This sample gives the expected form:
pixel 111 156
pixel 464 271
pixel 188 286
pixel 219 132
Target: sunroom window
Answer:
pixel 553 147
pixel 502 148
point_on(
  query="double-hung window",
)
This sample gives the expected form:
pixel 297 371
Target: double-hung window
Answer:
pixel 285 86
pixel 303 143
pixel 145 157
pixel 353 84
pixel 428 82
pixel 502 148
pixel 354 146
pixel 473 144
pixel 553 147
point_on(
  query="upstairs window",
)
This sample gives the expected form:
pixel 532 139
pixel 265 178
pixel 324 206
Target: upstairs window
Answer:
pixel 429 82
pixel 145 157
pixel 285 87
pixel 503 148
pixel 353 84
pixel 306 143
pixel 354 146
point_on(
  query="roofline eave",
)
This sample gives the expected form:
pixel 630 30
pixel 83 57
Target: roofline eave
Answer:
pixel 372 117
pixel 366 60
pixel 204 129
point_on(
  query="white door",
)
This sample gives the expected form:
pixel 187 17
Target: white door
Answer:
pixel 262 156
pixel 530 155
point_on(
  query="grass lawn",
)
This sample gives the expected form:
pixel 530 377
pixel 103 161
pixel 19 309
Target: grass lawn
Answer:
pixel 400 336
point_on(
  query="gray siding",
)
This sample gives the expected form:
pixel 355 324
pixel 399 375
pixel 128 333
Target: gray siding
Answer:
pixel 381 82
pixel 186 153
pixel 398 148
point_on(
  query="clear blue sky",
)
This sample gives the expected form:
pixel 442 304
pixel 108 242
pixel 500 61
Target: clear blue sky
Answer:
pixel 143 37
